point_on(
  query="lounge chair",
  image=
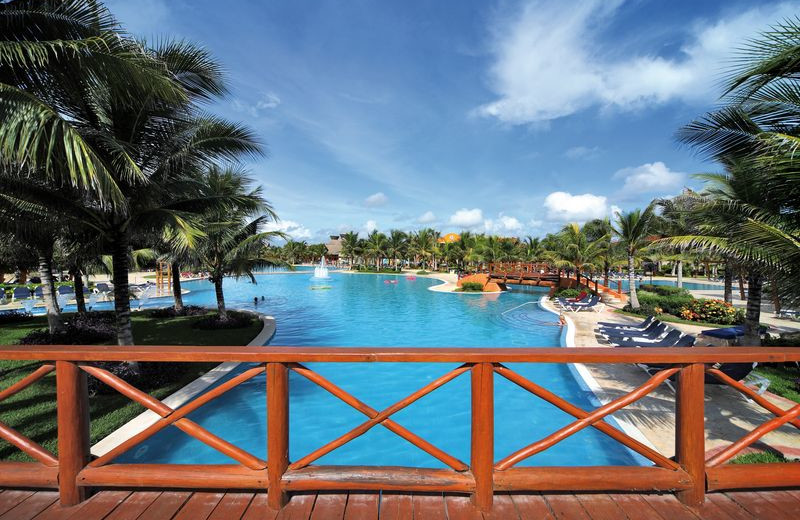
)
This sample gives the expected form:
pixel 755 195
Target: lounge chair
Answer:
pixel 20 293
pixel 571 301
pixel 592 303
pixel 622 326
pixel 38 292
pixel 673 338
pixel 65 289
pixel 653 331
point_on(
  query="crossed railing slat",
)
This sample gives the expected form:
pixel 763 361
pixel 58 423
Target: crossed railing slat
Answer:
pixel 176 417
pixel 376 417
pixel 21 442
pixel 782 417
pixel 585 419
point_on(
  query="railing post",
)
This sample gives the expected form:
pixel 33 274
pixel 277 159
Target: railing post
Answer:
pixel 72 400
pixel 690 431
pixel 482 454
pixel 277 432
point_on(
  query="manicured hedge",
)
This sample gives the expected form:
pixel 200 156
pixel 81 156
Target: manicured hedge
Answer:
pixel 472 287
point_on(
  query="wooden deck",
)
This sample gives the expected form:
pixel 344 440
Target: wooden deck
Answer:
pixel 156 505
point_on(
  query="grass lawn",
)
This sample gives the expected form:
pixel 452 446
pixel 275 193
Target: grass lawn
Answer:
pixel 33 411
pixel 784 380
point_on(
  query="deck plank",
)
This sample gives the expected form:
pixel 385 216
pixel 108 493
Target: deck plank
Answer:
pixel 670 507
pixel 232 506
pixel 298 508
pixel 567 507
pixel 329 506
pixel 199 507
pixel 362 506
pixel 259 509
pixel 502 509
pixel 166 505
pixel 760 506
pixel 531 507
pixel 396 506
pixel 96 507
pixel 429 506
pixel 31 506
pixel 10 498
pixel 600 506
pixel 134 505
pixel 460 508
pixel 635 507
pixel 728 506
pixel 782 499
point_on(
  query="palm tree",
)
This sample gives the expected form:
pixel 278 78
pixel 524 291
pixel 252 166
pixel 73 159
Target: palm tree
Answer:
pixel 350 249
pixel 376 246
pixel 422 245
pixel 396 245
pixel 233 245
pixel 151 146
pixel 633 230
pixel 576 250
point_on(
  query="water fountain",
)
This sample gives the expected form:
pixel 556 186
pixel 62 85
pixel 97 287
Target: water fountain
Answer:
pixel 321 271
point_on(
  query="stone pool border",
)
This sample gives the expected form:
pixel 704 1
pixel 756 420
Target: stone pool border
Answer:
pixel 182 396
pixel 587 381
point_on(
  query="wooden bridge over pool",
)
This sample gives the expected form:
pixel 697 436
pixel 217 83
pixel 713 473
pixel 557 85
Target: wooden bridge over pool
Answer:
pixel 692 484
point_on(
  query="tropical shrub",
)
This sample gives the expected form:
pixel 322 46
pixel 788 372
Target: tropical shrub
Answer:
pixel 80 329
pixel 472 287
pixel 9 317
pixel 653 303
pixel 567 293
pixel 665 290
pixel 170 312
pixel 712 311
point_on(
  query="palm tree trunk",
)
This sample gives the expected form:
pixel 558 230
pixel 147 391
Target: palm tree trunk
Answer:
pixel 679 264
pixel 223 313
pixel 776 299
pixel 728 283
pixel 742 295
pixel 177 294
pixel 122 302
pixel 77 278
pixel 49 291
pixel 752 337
pixel 634 300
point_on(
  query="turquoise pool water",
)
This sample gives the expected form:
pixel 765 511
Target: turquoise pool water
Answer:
pixel 363 310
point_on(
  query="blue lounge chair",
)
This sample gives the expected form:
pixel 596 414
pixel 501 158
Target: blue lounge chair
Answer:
pixel 672 339
pixel 622 326
pixel 38 292
pixel 20 293
pixel 654 331
pixel 65 289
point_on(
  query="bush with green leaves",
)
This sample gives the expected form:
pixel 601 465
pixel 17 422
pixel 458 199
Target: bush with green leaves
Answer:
pixel 472 287
pixel 712 311
pixel 654 303
pixel 568 293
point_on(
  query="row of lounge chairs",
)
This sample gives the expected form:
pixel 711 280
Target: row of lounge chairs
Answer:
pixel 584 302
pixel 654 333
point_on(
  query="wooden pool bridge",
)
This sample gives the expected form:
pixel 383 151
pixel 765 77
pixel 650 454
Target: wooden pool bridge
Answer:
pixel 520 273
pixel 688 485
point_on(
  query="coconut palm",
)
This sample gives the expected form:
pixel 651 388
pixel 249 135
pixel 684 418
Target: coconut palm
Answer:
pixel 577 250
pixel 633 229
pixel 396 246
pixel 152 148
pixel 376 246
pixel 350 246
pixel 233 244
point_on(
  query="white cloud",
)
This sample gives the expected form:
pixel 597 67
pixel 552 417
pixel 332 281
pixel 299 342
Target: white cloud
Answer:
pixel 467 218
pixel 267 101
pixel 582 152
pixel 376 199
pixel 290 227
pixel 614 211
pixel 535 224
pixel 565 207
pixel 550 61
pixel 427 218
pixel 649 178
pixel 502 224
pixel 370 226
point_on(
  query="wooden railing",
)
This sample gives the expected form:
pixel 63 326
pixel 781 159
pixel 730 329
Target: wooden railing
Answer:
pixel 689 474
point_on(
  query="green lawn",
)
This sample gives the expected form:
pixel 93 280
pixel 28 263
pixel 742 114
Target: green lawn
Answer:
pixel 33 411
pixel 784 380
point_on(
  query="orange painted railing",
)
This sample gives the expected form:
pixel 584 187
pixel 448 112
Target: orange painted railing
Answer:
pixel 690 475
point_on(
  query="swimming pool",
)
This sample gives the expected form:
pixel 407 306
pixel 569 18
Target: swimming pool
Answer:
pixel 363 310
pixel 691 286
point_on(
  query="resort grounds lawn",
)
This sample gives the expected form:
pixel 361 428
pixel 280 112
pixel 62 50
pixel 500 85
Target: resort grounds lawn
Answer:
pixel 33 410
pixel 784 380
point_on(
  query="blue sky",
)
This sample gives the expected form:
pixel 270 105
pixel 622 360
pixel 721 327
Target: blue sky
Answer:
pixel 511 117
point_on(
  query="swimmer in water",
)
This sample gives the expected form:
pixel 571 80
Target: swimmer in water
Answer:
pixel 255 301
pixel 562 320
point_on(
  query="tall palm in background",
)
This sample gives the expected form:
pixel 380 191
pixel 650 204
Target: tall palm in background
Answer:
pixel 233 244
pixel 350 248
pixel 633 229
pixel 376 247
pixel 576 250
pixel 396 246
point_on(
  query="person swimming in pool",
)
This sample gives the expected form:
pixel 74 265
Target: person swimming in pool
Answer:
pixel 562 320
